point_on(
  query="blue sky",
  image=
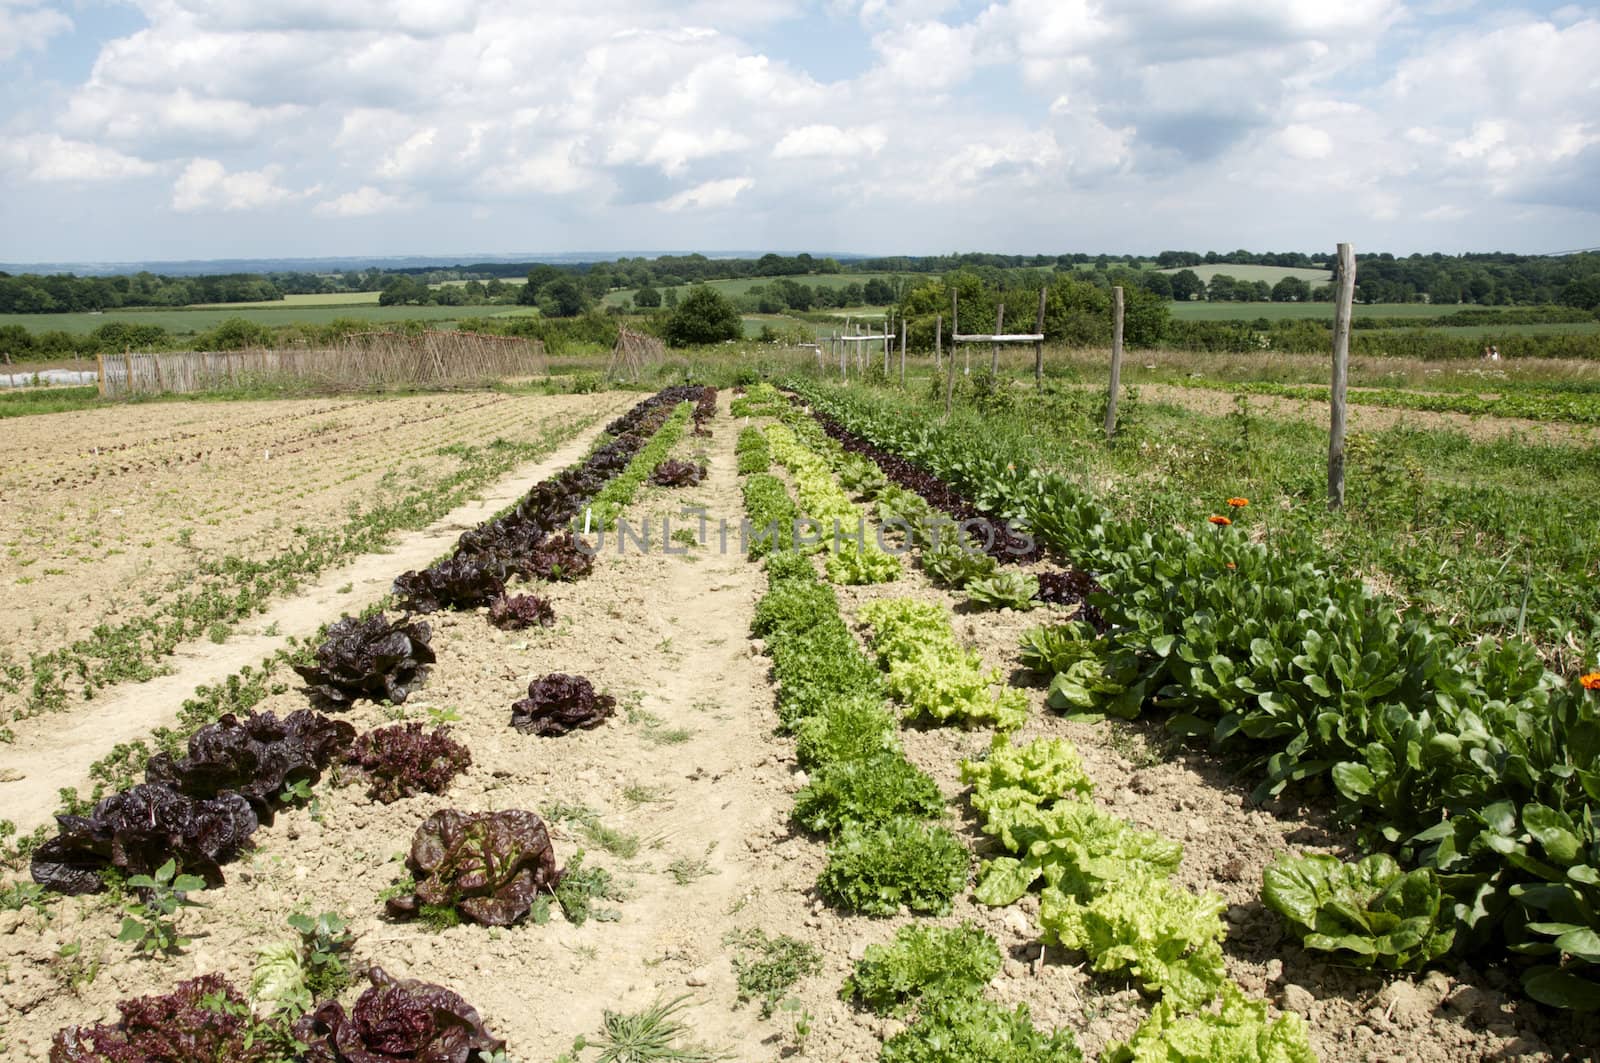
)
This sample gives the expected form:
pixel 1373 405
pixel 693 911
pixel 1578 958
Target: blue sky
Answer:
pixel 178 129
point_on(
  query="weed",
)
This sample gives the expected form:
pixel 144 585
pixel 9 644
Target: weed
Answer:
pixel 581 887
pixel 440 716
pixel 655 1033
pixel 218 632
pixel 639 794
pixel 75 969
pixel 149 924
pixel 618 843
pixel 766 967
pixel 685 870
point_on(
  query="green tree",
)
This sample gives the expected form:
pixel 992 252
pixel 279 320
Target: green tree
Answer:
pixel 704 316
pixel 1186 285
pixel 647 297
pixel 563 298
pixel 1291 290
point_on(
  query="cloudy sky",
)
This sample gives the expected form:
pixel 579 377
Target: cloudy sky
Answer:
pixel 171 129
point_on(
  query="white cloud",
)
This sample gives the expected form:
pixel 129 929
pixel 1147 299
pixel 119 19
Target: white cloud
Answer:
pixel 48 157
pixel 830 141
pixel 360 203
pixel 708 196
pixel 714 123
pixel 1305 142
pixel 205 184
pixel 27 26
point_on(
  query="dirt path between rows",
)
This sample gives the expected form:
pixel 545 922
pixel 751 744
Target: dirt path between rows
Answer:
pixel 1481 427
pixel 56 750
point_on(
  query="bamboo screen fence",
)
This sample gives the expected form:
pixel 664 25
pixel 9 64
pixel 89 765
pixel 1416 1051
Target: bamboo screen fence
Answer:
pixel 362 361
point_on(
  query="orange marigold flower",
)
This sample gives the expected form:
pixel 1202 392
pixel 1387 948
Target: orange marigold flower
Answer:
pixel 1238 503
pixel 1590 681
pixel 1232 565
pixel 1214 519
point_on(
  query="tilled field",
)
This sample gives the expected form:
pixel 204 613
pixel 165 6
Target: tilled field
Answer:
pixel 112 514
pixel 684 796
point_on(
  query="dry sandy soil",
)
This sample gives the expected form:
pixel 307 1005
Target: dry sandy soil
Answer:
pixel 690 765
pixel 112 510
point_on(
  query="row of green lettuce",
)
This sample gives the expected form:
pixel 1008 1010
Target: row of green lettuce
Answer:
pixel 1369 913
pixel 881 816
pixel 1144 926
pixel 1472 760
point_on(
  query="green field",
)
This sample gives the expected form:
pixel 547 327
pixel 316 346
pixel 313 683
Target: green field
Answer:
pixel 742 285
pixel 189 320
pixel 320 299
pixel 1203 311
pixel 1270 274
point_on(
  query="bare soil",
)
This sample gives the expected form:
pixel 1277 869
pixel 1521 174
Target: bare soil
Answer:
pixel 112 510
pixel 691 766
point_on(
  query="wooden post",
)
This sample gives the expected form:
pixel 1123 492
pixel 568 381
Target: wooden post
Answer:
pixel 902 351
pixel 100 371
pixel 1038 345
pixel 844 373
pixel 994 352
pixel 938 344
pixel 1341 371
pixel 1116 363
pixel 886 346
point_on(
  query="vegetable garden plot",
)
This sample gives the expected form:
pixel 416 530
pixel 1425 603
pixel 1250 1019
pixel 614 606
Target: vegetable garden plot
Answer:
pixel 173 549
pixel 683 776
pixel 1555 980
pixel 502 764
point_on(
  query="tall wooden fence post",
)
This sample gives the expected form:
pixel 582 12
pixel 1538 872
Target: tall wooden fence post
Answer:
pixel 1038 345
pixel 1341 372
pixel 1116 363
pixel 844 374
pixel 938 344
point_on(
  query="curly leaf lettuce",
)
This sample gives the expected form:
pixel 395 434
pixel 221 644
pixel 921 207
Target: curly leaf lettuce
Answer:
pixel 1166 937
pixel 1076 848
pixel 1236 1033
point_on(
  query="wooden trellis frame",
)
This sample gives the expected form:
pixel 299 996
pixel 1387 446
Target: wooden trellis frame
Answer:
pixel 632 353
pixel 998 337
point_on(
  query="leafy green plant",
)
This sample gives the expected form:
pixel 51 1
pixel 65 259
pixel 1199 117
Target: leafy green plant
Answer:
pixel 1005 590
pixel 581 888
pixel 975 1030
pixel 931 673
pixel 148 922
pixel 875 869
pixel 923 963
pixel 1159 934
pixel 766 968
pixel 1036 773
pixel 1238 1032
pixel 868 790
pixel 957 562
pixel 1073 847
pixel 1367 913
pixel 15 896
pixel 849 728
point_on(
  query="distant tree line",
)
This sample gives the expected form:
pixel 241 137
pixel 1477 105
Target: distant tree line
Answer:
pixel 570 289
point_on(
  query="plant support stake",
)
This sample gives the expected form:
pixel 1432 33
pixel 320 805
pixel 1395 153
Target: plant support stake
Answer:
pixel 1116 363
pixel 1341 373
